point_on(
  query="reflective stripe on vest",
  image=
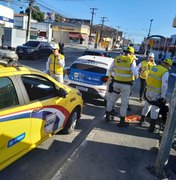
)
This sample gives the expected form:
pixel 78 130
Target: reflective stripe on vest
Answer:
pixel 122 69
pixel 154 80
pixel 54 66
pixel 145 67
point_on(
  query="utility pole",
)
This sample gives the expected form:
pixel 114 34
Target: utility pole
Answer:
pixel 167 138
pixel 118 31
pixel 147 41
pixel 29 20
pixel 117 35
pixel 93 13
pixel 150 27
pixel 8 3
pixel 103 19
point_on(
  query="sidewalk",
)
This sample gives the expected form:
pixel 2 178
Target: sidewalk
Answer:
pixel 114 153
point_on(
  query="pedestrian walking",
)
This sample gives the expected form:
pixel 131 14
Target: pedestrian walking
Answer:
pixel 55 64
pixel 125 71
pixel 144 68
pixel 157 84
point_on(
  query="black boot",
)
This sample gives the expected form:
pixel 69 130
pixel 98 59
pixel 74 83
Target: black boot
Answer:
pixel 143 121
pixel 152 125
pixel 129 108
pixel 109 116
pixel 114 113
pixel 122 122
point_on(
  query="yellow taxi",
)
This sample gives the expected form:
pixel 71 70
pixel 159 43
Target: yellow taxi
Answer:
pixel 33 106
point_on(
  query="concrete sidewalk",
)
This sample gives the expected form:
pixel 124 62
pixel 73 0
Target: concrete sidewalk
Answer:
pixel 114 153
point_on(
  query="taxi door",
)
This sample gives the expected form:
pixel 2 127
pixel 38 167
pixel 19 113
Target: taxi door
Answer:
pixel 14 122
pixel 48 111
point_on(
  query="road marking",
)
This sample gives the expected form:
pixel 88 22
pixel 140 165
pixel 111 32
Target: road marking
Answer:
pixel 69 161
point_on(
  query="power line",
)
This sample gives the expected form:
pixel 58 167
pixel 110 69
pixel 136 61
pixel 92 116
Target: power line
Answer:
pixel 51 8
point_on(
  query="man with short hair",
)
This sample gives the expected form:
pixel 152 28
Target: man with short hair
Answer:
pixel 55 64
pixel 125 71
pixel 157 84
pixel 144 68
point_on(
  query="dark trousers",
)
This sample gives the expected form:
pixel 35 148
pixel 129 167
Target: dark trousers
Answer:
pixel 142 87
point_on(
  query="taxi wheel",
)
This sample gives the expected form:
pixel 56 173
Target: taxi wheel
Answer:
pixel 71 123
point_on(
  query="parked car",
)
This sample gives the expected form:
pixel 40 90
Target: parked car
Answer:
pixel 89 74
pixel 95 52
pixel 33 106
pixel 34 49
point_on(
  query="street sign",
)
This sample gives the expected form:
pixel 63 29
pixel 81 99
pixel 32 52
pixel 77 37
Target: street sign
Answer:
pixel 152 43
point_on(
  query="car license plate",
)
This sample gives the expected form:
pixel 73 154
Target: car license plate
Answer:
pixel 20 51
pixel 82 88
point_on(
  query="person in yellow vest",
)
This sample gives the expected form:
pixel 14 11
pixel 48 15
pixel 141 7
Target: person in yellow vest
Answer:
pixel 157 84
pixel 124 72
pixel 55 64
pixel 144 68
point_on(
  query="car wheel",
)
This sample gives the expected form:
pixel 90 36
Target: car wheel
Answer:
pixel 71 123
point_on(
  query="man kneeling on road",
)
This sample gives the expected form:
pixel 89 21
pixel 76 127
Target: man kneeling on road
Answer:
pixel 125 71
pixel 157 84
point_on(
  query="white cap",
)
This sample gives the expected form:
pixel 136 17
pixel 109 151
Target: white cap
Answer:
pixel 151 55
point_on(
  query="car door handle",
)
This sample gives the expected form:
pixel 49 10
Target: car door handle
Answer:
pixel 37 110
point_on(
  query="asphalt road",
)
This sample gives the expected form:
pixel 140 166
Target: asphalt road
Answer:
pixel 44 161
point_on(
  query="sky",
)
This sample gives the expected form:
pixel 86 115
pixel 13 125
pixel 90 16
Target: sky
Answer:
pixel 133 16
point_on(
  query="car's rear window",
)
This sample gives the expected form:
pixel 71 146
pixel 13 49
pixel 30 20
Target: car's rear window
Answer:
pixel 96 53
pixel 89 68
pixel 32 43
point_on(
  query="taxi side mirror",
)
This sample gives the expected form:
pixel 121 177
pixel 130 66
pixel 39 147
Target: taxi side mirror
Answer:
pixel 61 93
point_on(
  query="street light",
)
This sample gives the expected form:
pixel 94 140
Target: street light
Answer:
pixel 150 27
pixel 147 41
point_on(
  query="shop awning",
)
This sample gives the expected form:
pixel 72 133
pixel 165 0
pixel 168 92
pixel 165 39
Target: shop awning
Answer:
pixel 78 35
pixel 74 35
pixel 84 36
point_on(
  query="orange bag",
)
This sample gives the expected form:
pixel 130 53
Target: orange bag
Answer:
pixel 132 118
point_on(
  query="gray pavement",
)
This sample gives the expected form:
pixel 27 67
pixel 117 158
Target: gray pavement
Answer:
pixel 114 153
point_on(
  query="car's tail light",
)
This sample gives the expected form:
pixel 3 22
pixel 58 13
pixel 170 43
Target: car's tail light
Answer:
pixel 105 79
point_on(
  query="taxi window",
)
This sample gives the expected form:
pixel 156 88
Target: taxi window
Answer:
pixel 89 68
pixel 8 95
pixel 38 88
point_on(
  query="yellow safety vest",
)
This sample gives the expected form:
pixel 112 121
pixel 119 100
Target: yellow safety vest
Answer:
pixel 122 69
pixel 145 67
pixel 54 66
pixel 154 80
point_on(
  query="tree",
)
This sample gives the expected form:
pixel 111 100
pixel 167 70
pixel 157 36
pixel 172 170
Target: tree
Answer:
pixel 36 13
pixel 59 18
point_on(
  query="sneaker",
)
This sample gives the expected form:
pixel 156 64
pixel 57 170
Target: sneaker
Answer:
pixel 143 123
